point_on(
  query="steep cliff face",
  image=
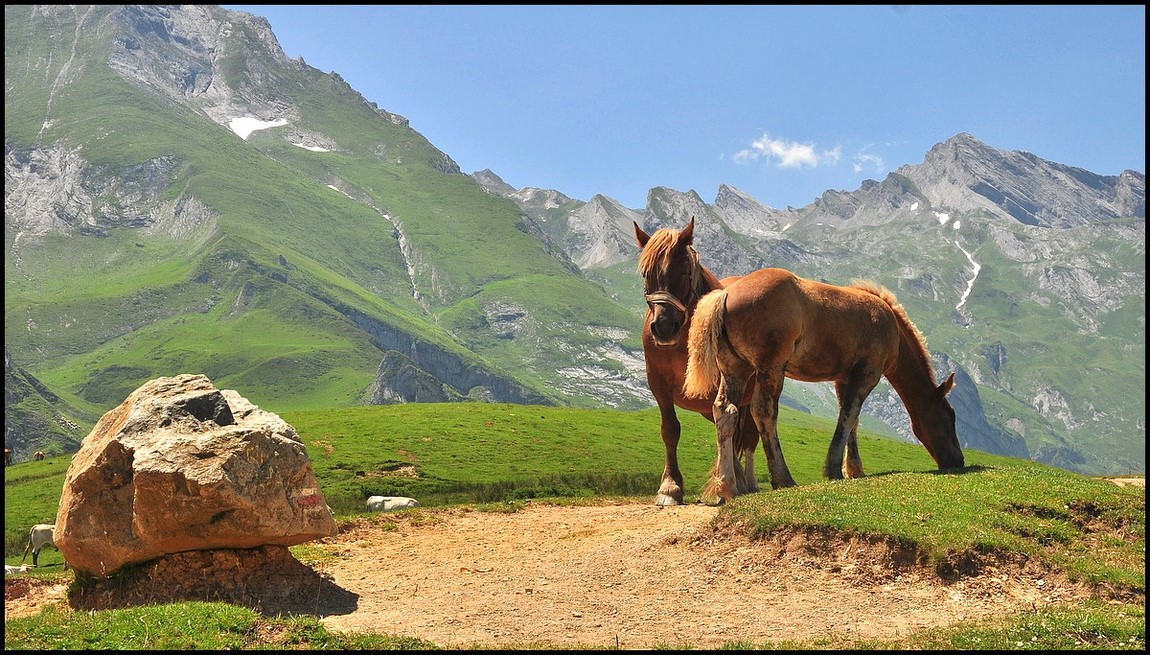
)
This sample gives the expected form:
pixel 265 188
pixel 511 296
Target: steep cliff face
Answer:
pixel 55 190
pixel 456 377
pixel 227 64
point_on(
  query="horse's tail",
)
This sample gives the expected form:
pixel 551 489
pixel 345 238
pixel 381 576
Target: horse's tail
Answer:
pixel 711 490
pixel 702 376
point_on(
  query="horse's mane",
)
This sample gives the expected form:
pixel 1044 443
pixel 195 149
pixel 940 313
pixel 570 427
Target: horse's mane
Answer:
pixel 915 336
pixel 658 250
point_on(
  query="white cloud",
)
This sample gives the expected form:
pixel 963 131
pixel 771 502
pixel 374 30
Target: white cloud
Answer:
pixel 865 161
pixel 788 154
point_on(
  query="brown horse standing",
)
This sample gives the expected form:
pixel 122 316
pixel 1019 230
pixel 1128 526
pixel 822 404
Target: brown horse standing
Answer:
pixel 771 324
pixel 673 282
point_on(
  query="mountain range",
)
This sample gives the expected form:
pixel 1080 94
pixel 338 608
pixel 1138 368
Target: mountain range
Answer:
pixel 180 196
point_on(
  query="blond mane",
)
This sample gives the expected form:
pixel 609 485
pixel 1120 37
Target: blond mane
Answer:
pixel 887 296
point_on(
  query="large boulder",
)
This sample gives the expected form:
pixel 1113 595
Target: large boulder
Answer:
pixel 182 466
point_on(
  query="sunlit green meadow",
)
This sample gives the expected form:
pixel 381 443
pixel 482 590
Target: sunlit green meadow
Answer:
pixel 500 456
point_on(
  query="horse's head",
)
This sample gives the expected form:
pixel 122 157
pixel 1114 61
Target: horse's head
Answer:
pixel 671 277
pixel 935 428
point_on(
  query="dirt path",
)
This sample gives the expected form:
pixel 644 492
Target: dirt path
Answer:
pixel 639 576
pixel 619 575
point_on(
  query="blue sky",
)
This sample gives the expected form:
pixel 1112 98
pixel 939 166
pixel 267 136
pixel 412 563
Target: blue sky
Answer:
pixel 782 102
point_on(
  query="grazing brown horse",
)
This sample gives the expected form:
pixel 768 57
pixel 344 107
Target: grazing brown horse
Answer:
pixel 773 323
pixel 673 281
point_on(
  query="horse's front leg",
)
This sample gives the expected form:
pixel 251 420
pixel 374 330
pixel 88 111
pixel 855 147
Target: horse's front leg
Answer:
pixel 671 484
pixel 836 467
pixel 852 395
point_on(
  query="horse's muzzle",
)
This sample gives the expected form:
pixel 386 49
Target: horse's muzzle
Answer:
pixel 666 327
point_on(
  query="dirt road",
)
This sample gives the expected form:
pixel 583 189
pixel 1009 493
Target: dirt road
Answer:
pixel 607 576
pixel 640 576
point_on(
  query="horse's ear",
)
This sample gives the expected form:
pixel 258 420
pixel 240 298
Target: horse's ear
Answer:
pixel 641 237
pixel 688 233
pixel 946 385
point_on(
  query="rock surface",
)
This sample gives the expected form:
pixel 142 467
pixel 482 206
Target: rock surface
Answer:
pixel 182 466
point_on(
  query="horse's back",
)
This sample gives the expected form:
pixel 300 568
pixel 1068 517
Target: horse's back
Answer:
pixel 815 329
pixel 766 299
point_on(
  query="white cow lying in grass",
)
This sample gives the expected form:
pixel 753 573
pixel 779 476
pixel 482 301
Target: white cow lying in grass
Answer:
pixel 41 535
pixel 12 570
pixel 390 503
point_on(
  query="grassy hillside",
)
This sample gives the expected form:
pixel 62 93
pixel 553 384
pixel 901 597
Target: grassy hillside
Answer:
pixel 267 281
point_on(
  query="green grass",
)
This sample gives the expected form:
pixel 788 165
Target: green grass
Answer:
pixel 495 456
pixel 489 451
pixel 186 626
pixel 1082 526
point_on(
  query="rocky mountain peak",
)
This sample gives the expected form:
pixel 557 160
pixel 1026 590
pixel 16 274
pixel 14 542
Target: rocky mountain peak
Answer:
pixel 492 183
pixel 746 215
pixel 182 50
pixel 965 172
pixel 600 233
pixel 1130 194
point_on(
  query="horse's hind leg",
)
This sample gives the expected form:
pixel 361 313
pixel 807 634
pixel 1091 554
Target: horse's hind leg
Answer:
pixel 726 412
pixel 746 443
pixel 765 409
pixel 852 467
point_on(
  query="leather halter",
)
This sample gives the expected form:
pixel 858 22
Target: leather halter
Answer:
pixel 665 298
